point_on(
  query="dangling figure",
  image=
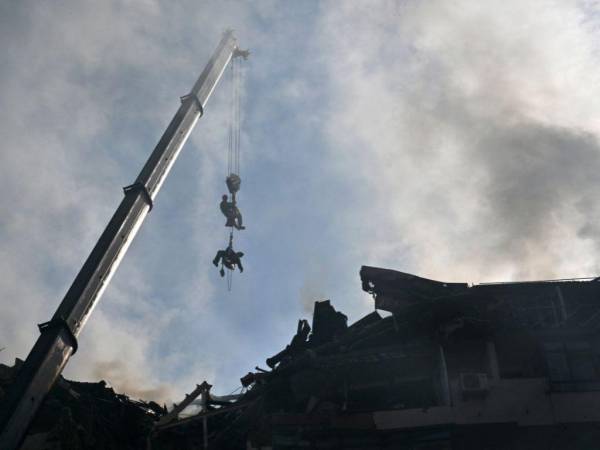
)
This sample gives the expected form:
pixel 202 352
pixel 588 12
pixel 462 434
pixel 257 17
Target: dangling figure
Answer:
pixel 232 213
pixel 230 259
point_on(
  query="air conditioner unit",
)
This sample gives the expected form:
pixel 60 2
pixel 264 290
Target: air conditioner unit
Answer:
pixel 474 384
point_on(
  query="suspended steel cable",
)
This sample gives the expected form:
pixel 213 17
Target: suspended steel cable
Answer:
pixel 237 124
pixel 233 180
pixel 234 134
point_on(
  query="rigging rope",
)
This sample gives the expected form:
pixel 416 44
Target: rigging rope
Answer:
pixel 237 101
pixel 233 150
pixel 230 135
pixel 233 144
pixel 230 272
pixel 229 280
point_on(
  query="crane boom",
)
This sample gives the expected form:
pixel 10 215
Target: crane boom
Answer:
pixel 58 339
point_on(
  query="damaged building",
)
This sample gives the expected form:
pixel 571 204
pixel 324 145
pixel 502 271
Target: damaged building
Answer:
pixel 78 416
pixel 451 366
pixel 436 366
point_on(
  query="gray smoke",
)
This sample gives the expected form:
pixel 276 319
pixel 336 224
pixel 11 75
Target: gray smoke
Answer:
pixel 313 288
pixel 472 136
pixel 134 384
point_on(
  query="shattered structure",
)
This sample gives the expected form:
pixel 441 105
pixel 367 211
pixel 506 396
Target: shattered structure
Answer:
pixel 78 416
pixel 495 366
pixel 505 366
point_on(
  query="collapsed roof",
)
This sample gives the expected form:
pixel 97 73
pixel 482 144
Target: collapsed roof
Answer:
pixel 346 385
pixel 77 416
pixel 336 384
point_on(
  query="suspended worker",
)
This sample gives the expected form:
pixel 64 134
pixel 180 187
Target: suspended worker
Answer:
pixel 231 212
pixel 230 259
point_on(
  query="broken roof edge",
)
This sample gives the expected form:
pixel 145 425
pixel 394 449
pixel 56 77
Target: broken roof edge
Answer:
pixel 391 275
pixel 393 289
pixel 396 275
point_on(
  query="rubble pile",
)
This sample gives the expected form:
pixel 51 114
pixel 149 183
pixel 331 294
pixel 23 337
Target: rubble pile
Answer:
pixel 325 378
pixel 509 366
pixel 78 415
pixel 313 377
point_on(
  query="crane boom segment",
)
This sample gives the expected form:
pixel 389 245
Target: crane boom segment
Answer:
pixel 58 339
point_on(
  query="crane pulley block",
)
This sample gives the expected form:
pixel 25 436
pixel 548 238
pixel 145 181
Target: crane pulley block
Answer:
pixel 234 182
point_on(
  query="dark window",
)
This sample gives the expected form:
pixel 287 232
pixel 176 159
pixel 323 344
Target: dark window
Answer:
pixel 535 312
pixel 572 366
pixel 582 361
pixel 556 360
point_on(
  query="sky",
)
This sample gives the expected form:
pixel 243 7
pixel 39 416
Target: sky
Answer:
pixel 452 139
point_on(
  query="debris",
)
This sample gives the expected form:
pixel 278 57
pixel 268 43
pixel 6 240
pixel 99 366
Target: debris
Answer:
pixel 327 323
pixel 299 342
pixel 78 415
pixel 189 398
pixel 452 367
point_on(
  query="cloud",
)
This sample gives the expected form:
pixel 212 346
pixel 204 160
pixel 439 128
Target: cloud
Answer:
pixel 447 139
pixel 84 102
pixel 313 288
pixel 472 137
pixel 88 98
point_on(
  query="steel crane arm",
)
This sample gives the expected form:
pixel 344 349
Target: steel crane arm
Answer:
pixel 58 339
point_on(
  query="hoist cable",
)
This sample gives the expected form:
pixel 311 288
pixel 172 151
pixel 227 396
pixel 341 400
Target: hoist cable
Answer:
pixel 234 137
pixel 238 116
pixel 230 144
